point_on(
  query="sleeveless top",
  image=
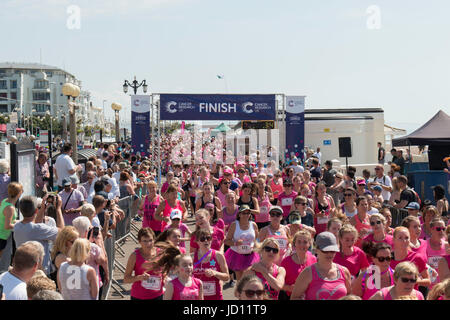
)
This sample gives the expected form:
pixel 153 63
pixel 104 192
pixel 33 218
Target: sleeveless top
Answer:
pixel 320 224
pixel 79 289
pixel 228 219
pixel 387 294
pixel 250 203
pixel 212 289
pixel 168 209
pixel 369 292
pixel 149 214
pixel 146 289
pixel 123 191
pixel 360 224
pixel 276 187
pixel 264 207
pixel 270 292
pixel 282 240
pixel 180 292
pixel 4 233
pixel 321 289
pixel 221 197
pixel 248 236
pixel 433 256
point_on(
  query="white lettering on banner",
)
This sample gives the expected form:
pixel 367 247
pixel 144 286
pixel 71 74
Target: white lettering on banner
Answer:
pixel 217 107
pixel 209 288
pixel 73 282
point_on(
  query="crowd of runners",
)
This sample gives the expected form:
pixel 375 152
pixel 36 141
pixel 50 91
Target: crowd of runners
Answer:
pixel 277 231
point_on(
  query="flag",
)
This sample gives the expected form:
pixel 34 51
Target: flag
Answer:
pixel 220 76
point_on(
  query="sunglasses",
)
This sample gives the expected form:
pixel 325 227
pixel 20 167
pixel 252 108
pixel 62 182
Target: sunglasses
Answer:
pixel 382 259
pixel 372 223
pixel 439 229
pixel 227 183
pixel 348 194
pixel 251 293
pixel 406 280
pixel 268 249
pixel 206 238
pixel 276 214
pixel 302 203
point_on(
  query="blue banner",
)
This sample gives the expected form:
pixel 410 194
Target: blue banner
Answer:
pixel 295 126
pixel 217 107
pixel 140 124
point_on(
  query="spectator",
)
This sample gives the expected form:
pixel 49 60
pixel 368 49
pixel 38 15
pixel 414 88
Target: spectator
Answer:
pixel 318 155
pixel 296 166
pixel 87 287
pixel 38 283
pixel 407 195
pixel 47 295
pixel 64 165
pixel 88 168
pixel 97 256
pixel 383 181
pixel 441 201
pixel 25 263
pixel 31 228
pixel 72 200
pixel 42 174
pixel 316 172
pixel 329 174
pixel 8 213
pixel 5 179
pixel 61 248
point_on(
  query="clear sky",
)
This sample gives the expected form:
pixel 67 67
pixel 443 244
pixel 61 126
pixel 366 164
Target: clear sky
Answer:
pixel 322 49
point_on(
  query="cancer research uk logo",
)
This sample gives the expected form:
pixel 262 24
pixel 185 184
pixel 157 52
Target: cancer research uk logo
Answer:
pixel 170 107
pixel 245 107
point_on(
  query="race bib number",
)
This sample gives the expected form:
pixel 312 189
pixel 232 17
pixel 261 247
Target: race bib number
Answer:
pixel 323 220
pixel 286 202
pixel 434 261
pixel 264 210
pixel 209 288
pixel 152 283
pixel 245 249
pixel 282 243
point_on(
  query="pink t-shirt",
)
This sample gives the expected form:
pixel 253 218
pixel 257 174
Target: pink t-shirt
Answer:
pixel 180 292
pixel 218 236
pixel 421 250
pixel 270 292
pixel 264 207
pixel 387 295
pixel 433 256
pixel 293 269
pixel 369 292
pixel 354 262
pixel 146 289
pixel 183 228
pixel 418 260
pixel 286 202
pixel 149 220
pixel 320 289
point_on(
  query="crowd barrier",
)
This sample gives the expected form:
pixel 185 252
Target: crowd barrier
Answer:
pixel 125 229
pixel 397 216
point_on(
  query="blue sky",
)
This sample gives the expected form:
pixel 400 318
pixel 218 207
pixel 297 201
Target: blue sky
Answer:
pixel 321 49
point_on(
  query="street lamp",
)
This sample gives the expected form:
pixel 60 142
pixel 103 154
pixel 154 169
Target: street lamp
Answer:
pixel 72 91
pixel 135 85
pixel 117 107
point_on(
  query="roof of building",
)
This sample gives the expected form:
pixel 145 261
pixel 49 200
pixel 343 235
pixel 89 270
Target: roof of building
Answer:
pixel 26 65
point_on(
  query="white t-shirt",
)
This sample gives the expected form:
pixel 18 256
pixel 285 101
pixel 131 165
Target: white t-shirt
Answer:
pixel 13 287
pixel 298 169
pixel 319 156
pixel 386 181
pixel 63 164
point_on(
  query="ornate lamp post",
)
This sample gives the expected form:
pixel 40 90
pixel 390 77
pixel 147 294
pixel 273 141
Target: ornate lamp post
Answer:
pixel 135 85
pixel 72 91
pixel 117 107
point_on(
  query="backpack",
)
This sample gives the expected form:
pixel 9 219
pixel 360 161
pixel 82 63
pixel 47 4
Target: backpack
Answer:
pixel 417 197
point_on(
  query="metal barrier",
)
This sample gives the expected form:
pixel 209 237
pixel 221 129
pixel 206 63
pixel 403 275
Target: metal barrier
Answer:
pixel 397 216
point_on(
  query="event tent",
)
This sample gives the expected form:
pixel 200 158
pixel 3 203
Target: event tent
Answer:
pixel 435 132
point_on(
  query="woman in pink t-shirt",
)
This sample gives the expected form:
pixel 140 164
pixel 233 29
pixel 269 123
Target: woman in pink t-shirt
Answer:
pixel 416 245
pixel 267 270
pixel 297 262
pixel 202 219
pixel 377 223
pixel 324 208
pixel 148 205
pixel 185 286
pixel 436 244
pixel 350 256
pixel 379 275
pixel 324 280
pixel 262 219
pixel 286 199
pixel 405 277
pixel 402 253
pixel 147 280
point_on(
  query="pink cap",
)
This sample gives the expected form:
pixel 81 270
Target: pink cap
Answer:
pixel 254 174
pixel 361 182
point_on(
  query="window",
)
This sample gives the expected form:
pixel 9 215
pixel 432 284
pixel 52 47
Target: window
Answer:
pixel 41 96
pixel 13 84
pixel 42 107
pixel 41 84
pixel 3 108
pixel 13 95
pixel 3 84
